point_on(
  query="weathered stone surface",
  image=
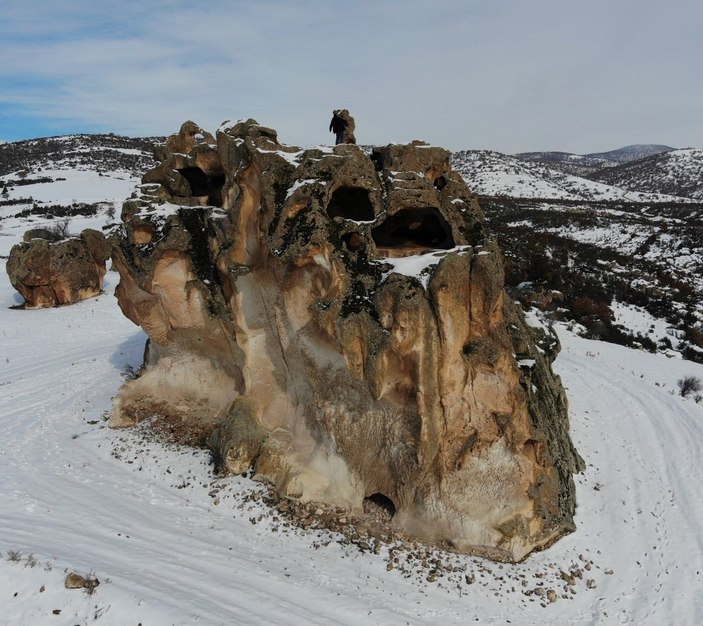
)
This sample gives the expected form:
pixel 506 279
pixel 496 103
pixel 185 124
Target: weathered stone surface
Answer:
pixel 74 581
pixel 51 273
pixel 339 322
pixel 41 233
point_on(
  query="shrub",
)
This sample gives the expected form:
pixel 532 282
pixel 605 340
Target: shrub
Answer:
pixel 689 385
pixel 60 228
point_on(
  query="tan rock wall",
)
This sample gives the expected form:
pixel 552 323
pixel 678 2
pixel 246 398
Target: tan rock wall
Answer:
pixel 332 366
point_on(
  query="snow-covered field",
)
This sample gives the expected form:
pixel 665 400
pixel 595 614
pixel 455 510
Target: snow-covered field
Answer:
pixel 173 544
pixel 171 548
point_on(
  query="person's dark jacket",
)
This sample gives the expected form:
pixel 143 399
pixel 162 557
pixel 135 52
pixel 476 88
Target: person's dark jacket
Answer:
pixel 337 125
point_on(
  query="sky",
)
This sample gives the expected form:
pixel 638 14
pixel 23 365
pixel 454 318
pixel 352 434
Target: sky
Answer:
pixel 506 75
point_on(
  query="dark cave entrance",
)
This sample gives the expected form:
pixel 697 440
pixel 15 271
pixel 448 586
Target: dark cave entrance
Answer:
pixel 380 507
pixel 414 228
pixel 202 184
pixel 351 203
pixel 440 182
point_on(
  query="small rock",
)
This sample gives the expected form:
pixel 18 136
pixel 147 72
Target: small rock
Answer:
pixel 74 581
pixel 608 571
pixel 551 595
pixel 590 584
pixel 42 589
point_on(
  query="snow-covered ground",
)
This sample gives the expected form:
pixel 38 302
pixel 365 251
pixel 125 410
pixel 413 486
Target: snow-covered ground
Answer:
pixel 172 544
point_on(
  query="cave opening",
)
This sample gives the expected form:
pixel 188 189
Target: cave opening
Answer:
pixel 379 506
pixel 414 229
pixel 351 203
pixel 440 182
pixel 202 184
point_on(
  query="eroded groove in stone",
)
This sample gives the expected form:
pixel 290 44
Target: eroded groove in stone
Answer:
pixel 340 326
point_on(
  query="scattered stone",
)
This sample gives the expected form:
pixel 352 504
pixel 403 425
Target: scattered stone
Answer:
pixel 551 595
pixel 74 581
pixel 49 274
pixel 591 584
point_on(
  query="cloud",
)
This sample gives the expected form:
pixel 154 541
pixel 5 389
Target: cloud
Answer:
pixel 510 76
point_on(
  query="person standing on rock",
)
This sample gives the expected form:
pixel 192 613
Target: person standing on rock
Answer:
pixel 337 126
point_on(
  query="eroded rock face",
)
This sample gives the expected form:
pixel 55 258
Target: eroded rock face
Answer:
pixel 338 322
pixel 47 272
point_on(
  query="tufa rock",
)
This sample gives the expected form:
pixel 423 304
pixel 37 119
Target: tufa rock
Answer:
pixel 50 273
pixel 338 322
pixel 74 581
pixel 42 233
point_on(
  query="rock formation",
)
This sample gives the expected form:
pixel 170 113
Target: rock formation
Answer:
pixel 338 322
pixel 50 271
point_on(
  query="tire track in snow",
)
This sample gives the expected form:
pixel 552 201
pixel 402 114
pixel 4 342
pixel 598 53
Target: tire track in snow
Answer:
pixel 645 449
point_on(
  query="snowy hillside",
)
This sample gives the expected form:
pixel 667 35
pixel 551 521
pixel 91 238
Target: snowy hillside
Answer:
pixel 585 164
pixel 679 172
pixel 82 178
pixel 495 174
pixel 171 543
pixel 576 164
pixel 630 153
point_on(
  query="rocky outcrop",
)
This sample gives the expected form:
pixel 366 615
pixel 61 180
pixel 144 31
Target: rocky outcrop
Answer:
pixel 47 272
pixel 338 322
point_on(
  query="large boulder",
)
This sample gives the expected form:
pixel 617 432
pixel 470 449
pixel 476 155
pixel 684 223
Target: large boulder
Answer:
pixel 47 272
pixel 339 323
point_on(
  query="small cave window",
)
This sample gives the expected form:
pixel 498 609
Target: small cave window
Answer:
pixel 440 182
pixel 414 228
pixel 351 203
pixel 380 507
pixel 202 184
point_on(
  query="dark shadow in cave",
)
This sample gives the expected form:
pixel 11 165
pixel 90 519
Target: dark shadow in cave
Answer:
pixel 380 506
pixel 421 228
pixel 351 203
pixel 440 182
pixel 202 184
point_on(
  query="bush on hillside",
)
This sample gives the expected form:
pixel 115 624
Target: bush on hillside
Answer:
pixel 689 385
